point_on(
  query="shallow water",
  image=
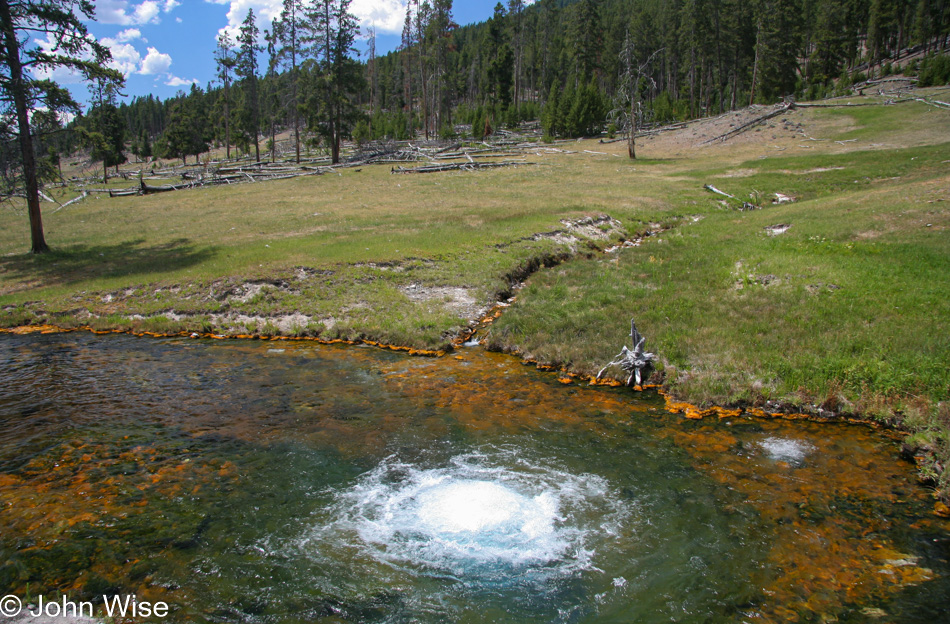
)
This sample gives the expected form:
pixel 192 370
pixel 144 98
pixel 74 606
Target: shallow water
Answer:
pixel 292 482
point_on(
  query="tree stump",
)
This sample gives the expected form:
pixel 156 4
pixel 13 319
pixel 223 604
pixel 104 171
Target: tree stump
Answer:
pixel 635 362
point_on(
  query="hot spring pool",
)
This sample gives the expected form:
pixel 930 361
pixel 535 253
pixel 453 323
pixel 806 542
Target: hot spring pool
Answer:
pixel 290 482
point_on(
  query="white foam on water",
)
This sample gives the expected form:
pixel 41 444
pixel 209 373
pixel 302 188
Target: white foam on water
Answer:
pixel 489 513
pixel 785 449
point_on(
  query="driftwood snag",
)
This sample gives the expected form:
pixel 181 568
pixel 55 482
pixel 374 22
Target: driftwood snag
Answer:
pixel 633 361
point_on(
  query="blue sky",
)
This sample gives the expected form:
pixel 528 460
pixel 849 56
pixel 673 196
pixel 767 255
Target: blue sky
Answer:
pixel 162 46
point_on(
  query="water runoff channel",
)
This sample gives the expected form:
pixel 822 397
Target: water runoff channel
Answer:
pixel 259 482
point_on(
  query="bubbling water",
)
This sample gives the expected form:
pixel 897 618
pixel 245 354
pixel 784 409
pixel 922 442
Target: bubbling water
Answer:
pixel 485 514
pixel 786 449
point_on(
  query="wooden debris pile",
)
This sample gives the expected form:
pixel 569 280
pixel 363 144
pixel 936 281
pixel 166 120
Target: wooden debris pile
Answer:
pixel 465 166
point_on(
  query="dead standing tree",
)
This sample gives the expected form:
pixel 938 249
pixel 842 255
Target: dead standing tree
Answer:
pixel 628 115
pixel 632 361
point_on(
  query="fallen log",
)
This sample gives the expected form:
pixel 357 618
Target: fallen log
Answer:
pixel 470 155
pixel 149 190
pixel 458 167
pixel 47 198
pixel 72 201
pixel 710 187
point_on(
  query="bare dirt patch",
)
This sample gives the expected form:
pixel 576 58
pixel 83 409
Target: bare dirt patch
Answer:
pixel 456 299
pixel 785 127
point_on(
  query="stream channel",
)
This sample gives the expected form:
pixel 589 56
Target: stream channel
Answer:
pixel 260 481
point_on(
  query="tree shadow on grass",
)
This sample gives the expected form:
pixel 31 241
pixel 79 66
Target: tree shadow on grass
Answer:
pixel 79 263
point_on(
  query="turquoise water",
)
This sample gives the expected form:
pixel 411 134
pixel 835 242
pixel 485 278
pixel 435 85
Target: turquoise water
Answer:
pixel 291 482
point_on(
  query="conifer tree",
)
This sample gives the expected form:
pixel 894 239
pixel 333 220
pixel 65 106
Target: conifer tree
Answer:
pixel 332 29
pixel 145 146
pixel 104 130
pixel 438 30
pixel 586 37
pixel 22 24
pixel 289 30
pixel 777 46
pixel 516 16
pixel 226 61
pixel 550 116
pixel 500 59
pixel 187 131
pixel 247 69
pixel 406 51
pixel 565 104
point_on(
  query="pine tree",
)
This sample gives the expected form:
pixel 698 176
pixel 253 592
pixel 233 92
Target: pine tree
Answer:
pixel 145 146
pixel 45 126
pixel 882 27
pixel 516 19
pixel 565 104
pixel 478 124
pixel 421 24
pixel 586 39
pixel 104 130
pixel 186 132
pixel 20 56
pixel 247 69
pixel 777 47
pixel 406 50
pixel 830 40
pixel 550 124
pixel 289 31
pixel 333 29
pixel 226 61
pixel 500 59
pixel 438 29
pixel 271 89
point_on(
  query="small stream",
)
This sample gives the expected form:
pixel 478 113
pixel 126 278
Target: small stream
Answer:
pixel 259 482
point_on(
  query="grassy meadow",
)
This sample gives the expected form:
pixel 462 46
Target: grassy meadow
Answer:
pixel 838 300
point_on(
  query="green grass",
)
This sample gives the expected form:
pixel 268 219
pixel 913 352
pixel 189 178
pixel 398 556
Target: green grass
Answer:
pixel 849 310
pixel 359 241
pixel 838 301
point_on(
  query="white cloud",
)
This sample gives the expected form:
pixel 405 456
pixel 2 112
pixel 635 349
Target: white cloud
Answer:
pixel 155 62
pixel 129 34
pixel 386 16
pixel 175 81
pixel 125 14
pixel 146 13
pixel 170 4
pixel 264 11
pixel 125 58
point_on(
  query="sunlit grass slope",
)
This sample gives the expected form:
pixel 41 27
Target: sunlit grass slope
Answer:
pixel 837 299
